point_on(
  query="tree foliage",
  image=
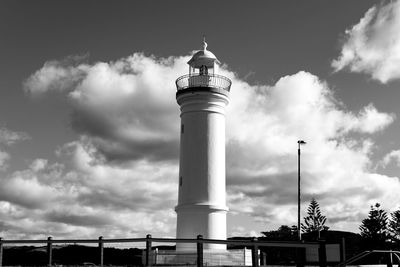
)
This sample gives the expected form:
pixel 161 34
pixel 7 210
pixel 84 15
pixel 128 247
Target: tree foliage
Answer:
pixel 284 233
pixel 315 221
pixel 282 256
pixel 394 225
pixel 375 227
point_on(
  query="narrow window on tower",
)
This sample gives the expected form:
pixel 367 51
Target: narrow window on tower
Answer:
pixel 180 180
pixel 182 128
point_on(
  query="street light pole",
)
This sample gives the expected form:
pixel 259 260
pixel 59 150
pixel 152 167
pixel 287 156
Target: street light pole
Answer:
pixel 300 142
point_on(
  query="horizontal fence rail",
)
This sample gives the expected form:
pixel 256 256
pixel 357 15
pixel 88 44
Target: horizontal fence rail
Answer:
pixel 292 244
pixel 206 80
pixel 364 254
pixel 254 244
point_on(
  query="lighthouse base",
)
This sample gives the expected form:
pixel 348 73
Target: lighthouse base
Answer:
pixel 232 257
pixel 209 221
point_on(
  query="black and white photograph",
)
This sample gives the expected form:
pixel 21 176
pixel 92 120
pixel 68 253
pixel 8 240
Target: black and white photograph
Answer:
pixel 199 133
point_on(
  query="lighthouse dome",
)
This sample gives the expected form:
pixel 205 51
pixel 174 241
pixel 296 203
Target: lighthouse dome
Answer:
pixel 203 58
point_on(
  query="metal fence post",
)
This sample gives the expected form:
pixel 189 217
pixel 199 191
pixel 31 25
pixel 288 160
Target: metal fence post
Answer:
pixel 148 249
pixel 264 259
pixel 101 248
pixel 390 262
pixel 1 252
pixel 199 251
pixel 254 252
pixel 343 250
pixel 322 253
pixel 300 256
pixel 49 250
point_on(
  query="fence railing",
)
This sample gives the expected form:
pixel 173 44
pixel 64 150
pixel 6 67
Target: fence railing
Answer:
pixel 364 254
pixel 254 244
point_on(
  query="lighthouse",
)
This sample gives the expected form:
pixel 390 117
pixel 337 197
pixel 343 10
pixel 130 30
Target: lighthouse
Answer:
pixel 202 95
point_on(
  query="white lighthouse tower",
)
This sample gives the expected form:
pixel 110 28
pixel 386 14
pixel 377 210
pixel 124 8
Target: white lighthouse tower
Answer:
pixel 202 96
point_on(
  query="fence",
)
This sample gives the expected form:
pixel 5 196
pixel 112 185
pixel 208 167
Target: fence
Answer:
pixel 318 249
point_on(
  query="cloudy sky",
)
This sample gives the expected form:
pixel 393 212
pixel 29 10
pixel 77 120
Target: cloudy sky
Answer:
pixel 89 124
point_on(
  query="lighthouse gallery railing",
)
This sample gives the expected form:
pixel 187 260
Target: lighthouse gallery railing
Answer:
pixel 207 80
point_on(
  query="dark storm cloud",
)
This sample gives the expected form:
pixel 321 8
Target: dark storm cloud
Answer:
pixel 119 147
pixel 152 150
pixel 356 217
pixel 279 189
pixel 114 141
pixel 27 193
pixel 79 219
pixel 137 201
pixel 5 226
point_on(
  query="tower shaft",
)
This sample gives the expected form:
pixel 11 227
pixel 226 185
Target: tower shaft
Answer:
pixel 201 205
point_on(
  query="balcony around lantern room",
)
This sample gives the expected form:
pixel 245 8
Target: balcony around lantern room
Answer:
pixel 197 80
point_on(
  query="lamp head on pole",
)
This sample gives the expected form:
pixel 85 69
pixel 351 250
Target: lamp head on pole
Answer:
pixel 301 142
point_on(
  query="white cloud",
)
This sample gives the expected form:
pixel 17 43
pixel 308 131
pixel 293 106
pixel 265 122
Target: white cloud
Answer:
pixel 372 120
pixel 125 163
pixel 87 197
pixel 4 157
pixel 243 232
pixel 8 137
pixel 56 76
pixel 124 106
pixel 372 46
pixel 264 124
pixel 393 156
pixel 38 164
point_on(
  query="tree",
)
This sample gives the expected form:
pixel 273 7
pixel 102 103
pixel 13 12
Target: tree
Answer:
pixel 375 227
pixel 280 255
pixel 315 221
pixel 284 233
pixel 394 225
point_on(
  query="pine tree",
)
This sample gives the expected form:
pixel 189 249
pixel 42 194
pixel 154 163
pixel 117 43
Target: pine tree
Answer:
pixel 394 225
pixel 375 227
pixel 315 221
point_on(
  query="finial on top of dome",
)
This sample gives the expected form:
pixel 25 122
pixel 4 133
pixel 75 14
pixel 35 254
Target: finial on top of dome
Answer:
pixel 204 42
